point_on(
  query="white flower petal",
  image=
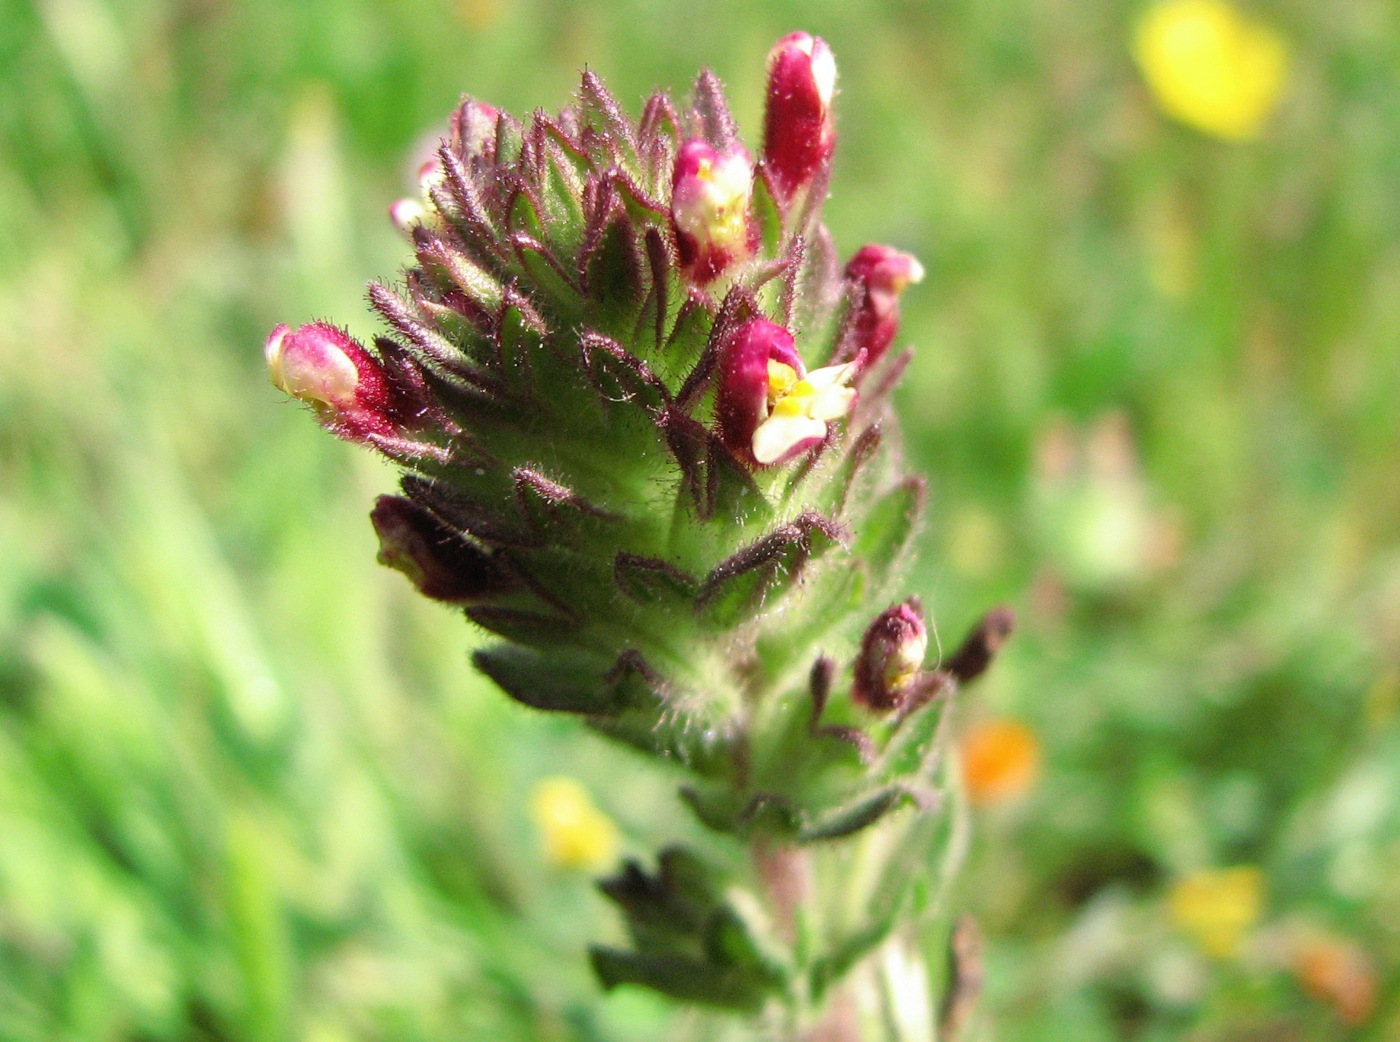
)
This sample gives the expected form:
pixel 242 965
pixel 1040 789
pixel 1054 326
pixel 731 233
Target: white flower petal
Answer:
pixel 831 403
pixel 831 375
pixel 776 436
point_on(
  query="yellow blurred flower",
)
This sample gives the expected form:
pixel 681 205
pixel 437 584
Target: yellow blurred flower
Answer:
pixel 1000 761
pixel 1210 66
pixel 1336 971
pixel 1216 906
pixel 574 832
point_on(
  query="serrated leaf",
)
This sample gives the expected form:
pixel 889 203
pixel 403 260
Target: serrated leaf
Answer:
pixel 908 748
pixel 604 116
pixel 619 377
pixel 554 288
pixel 766 814
pixel 730 941
pixel 613 278
pixel 523 215
pixel 519 340
pixel 667 908
pixel 457 271
pixel 685 343
pixel 681 977
pixel 830 968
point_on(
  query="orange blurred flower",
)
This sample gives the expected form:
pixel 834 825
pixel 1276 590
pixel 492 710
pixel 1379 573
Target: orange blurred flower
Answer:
pixel 1210 66
pixel 1336 971
pixel 1000 761
pixel 1216 906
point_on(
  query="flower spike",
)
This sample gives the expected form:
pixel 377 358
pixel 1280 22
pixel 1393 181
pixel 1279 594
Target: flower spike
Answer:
pixel 616 461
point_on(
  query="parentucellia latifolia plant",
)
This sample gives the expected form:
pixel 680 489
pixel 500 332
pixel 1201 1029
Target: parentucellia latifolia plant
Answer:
pixel 643 415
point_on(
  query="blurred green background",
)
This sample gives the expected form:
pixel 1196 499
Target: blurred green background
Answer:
pixel 249 786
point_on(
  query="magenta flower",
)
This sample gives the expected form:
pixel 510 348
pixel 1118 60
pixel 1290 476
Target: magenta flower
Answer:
pixel 875 278
pixel 891 656
pixel 710 194
pixel 342 382
pixel 799 134
pixel 770 407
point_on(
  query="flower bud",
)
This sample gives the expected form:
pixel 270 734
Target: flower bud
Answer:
pixel 891 656
pixel 405 213
pixel 473 127
pixel 438 561
pixel 798 132
pixel 770 407
pixel 875 277
pixel 710 195
pixel 326 368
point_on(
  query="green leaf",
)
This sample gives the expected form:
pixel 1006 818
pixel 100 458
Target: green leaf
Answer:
pixel 683 977
pixel 730 941
pixel 613 279
pixel 886 527
pixel 765 814
pixel 768 217
pixel 559 683
pixel 654 582
pixel 746 582
pixel 857 815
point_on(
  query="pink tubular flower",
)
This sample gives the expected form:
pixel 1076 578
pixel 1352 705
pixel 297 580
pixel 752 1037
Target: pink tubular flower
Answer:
pixel 710 195
pixel 891 655
pixel 875 277
pixel 799 134
pixel 770 407
pixel 326 368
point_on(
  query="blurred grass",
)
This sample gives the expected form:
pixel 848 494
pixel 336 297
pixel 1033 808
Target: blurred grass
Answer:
pixel 249 787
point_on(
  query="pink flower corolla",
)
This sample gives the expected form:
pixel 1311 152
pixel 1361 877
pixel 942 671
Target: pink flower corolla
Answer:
pixel 875 277
pixel 710 194
pixel 891 656
pixel 770 407
pixel 342 382
pixel 799 133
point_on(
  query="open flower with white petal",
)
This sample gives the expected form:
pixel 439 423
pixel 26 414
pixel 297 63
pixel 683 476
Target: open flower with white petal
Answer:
pixel 770 407
pixel 799 408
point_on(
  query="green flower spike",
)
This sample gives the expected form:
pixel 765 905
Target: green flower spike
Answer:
pixel 643 415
